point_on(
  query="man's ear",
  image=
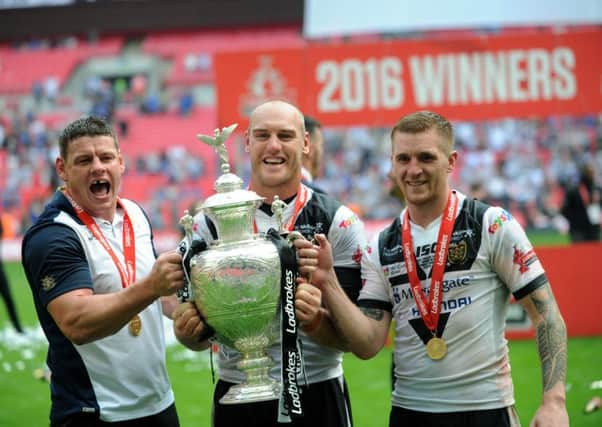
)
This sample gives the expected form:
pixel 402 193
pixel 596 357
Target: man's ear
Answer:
pixel 453 157
pixel 59 165
pixel 247 142
pixel 306 143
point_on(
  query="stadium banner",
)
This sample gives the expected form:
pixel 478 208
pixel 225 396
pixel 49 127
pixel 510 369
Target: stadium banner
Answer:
pixel 246 79
pixel 476 78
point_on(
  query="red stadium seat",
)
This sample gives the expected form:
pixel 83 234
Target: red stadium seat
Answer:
pixel 20 69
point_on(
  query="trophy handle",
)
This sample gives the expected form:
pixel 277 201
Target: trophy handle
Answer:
pixel 187 222
pixel 278 207
pixel 183 294
pixel 188 261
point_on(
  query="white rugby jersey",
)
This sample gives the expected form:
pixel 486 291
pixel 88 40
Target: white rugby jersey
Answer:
pixel 345 232
pixel 120 376
pixel 489 259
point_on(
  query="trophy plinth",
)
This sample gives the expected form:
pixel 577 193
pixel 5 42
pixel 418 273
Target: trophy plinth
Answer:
pixel 235 283
pixel 258 385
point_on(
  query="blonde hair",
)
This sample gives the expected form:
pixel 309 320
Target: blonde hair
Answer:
pixel 423 121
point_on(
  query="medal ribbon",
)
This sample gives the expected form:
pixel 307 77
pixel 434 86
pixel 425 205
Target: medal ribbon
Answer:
pixel 302 195
pixel 127 273
pixel 429 311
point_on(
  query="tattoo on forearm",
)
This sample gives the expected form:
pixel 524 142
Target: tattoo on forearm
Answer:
pixel 373 313
pixel 551 338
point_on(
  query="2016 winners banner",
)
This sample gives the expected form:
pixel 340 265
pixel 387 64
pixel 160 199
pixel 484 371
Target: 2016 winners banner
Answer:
pixel 471 78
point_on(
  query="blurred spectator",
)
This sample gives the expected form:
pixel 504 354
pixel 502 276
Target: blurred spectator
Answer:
pixel 186 103
pixel 5 287
pixel 120 87
pixel 194 62
pixel 138 87
pixel 151 104
pixel 51 89
pixel 37 92
pixel 103 101
pixel 312 160
pixel 477 191
pixel 92 86
pixel 205 61
pixel 581 207
pixel 190 62
pixel 123 125
pixel 34 210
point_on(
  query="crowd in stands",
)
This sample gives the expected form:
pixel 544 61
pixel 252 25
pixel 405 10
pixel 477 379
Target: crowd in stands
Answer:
pixel 163 179
pixel 523 165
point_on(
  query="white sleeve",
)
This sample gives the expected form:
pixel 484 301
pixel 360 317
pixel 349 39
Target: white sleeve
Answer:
pixel 347 238
pixel 512 255
pixel 375 285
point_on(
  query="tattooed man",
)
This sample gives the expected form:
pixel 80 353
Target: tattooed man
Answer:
pixel 444 271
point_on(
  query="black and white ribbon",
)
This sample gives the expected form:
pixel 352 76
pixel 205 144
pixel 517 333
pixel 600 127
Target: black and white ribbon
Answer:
pixel 289 404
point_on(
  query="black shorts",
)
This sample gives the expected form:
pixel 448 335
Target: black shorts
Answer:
pixel 502 417
pixel 166 418
pixel 325 404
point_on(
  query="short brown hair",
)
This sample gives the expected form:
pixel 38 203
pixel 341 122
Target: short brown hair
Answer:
pixel 85 126
pixel 311 124
pixel 423 121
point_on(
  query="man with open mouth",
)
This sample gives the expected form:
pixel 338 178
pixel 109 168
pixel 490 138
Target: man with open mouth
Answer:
pixel 100 290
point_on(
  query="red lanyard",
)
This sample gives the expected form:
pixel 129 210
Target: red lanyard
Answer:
pixel 429 311
pixel 302 195
pixel 127 273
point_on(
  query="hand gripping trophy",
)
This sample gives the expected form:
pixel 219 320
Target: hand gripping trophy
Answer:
pixel 237 281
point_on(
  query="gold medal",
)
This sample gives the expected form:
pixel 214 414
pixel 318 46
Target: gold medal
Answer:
pixel 436 348
pixel 135 325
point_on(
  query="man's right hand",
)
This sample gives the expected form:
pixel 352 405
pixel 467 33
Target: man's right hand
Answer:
pixel 167 274
pixel 315 260
pixel 188 325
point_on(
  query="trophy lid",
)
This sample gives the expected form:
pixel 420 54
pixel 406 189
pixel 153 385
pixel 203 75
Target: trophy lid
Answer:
pixel 230 193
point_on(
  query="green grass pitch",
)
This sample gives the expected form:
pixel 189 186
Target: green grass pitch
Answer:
pixel 24 400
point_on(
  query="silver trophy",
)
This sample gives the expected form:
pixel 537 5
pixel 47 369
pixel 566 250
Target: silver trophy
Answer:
pixel 235 283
